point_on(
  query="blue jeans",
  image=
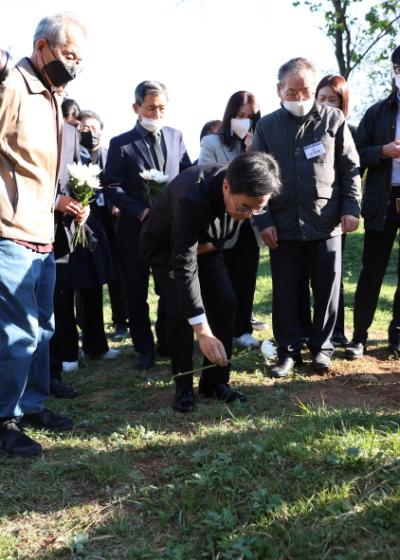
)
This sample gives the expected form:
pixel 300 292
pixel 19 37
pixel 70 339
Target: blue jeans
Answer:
pixel 26 326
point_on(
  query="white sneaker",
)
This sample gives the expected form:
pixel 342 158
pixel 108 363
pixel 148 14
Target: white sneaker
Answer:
pixel 246 341
pixel 111 354
pixel 67 367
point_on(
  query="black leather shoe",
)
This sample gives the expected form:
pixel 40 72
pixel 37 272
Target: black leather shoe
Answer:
pixel 48 420
pixel 355 350
pixel 321 362
pixel 222 392
pixel 183 401
pixel 62 391
pixel 339 340
pixel 14 443
pixel 284 366
pixel 144 361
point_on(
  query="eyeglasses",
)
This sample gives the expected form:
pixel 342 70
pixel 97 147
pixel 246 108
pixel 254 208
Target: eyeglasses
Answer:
pixel 244 210
pixel 294 94
pixel 71 57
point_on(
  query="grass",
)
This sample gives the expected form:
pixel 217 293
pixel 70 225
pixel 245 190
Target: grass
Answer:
pixel 309 468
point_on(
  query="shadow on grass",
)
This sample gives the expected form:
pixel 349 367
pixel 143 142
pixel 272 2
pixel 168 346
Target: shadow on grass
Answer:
pixel 290 487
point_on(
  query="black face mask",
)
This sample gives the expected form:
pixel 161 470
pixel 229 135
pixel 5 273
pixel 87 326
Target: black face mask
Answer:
pixel 57 72
pixel 90 140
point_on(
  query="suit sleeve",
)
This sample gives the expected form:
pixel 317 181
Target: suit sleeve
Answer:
pixel 207 152
pixel 348 169
pixel 184 159
pixel 116 178
pixel 370 153
pixel 186 225
pixel 262 221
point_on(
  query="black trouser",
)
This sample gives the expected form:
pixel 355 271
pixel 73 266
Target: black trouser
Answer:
pixel 94 341
pixel 242 262
pixel 305 304
pixel 220 304
pixel 64 345
pixel 377 249
pixel 136 274
pixel 323 260
pixel 118 300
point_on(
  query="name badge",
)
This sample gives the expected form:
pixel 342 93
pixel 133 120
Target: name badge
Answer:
pixel 314 150
pixel 100 200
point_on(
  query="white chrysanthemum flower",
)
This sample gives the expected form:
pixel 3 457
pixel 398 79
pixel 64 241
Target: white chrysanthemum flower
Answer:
pixel 154 175
pixel 85 173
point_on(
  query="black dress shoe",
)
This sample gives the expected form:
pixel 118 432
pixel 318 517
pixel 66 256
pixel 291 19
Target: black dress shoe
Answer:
pixel 321 362
pixel 144 361
pixel 285 365
pixel 48 420
pixel 222 392
pixel 14 443
pixel 183 401
pixel 62 391
pixel 339 340
pixel 355 350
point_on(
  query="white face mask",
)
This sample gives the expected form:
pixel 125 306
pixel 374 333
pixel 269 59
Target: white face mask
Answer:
pixel 299 108
pixel 397 80
pixel 152 125
pixel 240 127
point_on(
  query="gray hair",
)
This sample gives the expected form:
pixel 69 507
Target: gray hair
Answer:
pixel 149 87
pixel 53 28
pixel 88 114
pixel 295 66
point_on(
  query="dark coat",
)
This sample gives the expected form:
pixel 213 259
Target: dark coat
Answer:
pixel 316 191
pixel 377 127
pixel 85 268
pixel 128 156
pixel 189 211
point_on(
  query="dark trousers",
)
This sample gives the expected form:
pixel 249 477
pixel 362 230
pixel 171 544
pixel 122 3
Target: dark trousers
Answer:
pixel 323 259
pixel 377 249
pixel 64 345
pixel 242 263
pixel 220 304
pixel 118 300
pixel 94 341
pixel 305 304
pixel 136 274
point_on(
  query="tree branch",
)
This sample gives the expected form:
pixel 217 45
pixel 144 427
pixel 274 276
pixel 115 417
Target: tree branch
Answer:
pixel 382 34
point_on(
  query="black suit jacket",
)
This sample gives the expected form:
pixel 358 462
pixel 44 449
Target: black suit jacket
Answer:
pixel 129 155
pixel 189 211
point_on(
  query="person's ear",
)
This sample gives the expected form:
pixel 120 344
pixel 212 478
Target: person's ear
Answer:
pixel 279 90
pixel 40 44
pixel 135 107
pixel 225 187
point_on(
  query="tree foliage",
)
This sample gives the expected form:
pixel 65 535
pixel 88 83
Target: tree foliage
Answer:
pixel 357 35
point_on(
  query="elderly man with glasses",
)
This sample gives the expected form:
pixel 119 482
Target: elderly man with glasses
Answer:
pixel 31 127
pixel 320 199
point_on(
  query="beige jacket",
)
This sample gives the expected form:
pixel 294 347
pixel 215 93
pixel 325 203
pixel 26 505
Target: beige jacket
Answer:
pixel 29 155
